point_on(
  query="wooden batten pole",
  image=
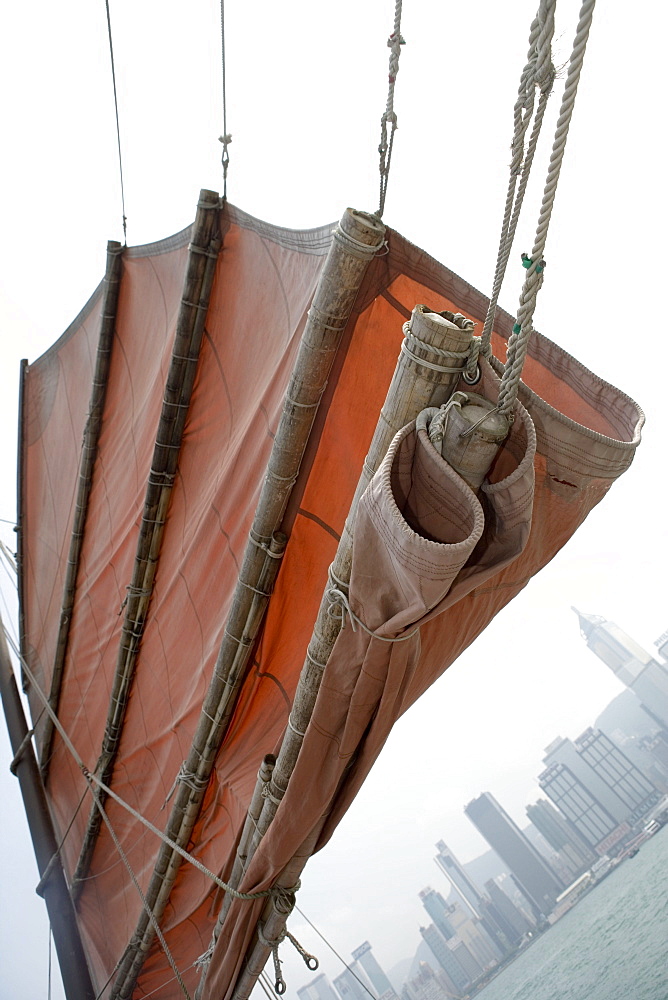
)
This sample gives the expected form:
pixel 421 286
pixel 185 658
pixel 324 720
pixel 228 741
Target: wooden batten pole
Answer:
pixel 112 281
pixel 422 378
pixel 200 272
pixel 357 238
pixel 53 885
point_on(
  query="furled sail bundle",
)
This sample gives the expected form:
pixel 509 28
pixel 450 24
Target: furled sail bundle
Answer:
pixel 173 568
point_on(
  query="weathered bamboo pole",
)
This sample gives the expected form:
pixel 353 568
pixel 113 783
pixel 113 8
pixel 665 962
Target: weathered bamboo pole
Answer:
pixel 424 376
pixel 202 256
pixel 468 435
pixel 112 280
pixel 357 238
pixel 53 884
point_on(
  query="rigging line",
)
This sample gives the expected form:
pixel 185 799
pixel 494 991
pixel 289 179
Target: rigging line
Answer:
pixel 49 973
pixel 225 138
pixel 93 781
pixel 394 42
pixel 118 128
pixel 268 992
pixel 149 911
pixel 333 949
pixel 4 520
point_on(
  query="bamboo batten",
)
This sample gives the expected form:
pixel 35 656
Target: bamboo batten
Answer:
pixel 422 378
pixel 470 440
pixel 468 435
pixel 53 885
pixel 202 256
pixel 112 280
pixel 357 238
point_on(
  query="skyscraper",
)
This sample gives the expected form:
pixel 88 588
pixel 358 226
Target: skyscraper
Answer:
pixel 319 988
pixel 561 835
pixel 646 677
pixel 348 986
pixel 594 784
pixel 537 879
pixel 438 909
pixel 460 880
pixel 513 923
pixel 445 958
pixel 379 980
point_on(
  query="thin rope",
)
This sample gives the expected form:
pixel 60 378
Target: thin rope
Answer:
pixel 339 600
pixel 335 952
pixel 538 72
pixel 151 915
pixel 519 339
pixel 48 993
pixel 395 41
pixel 225 138
pixel 118 127
pixel 276 892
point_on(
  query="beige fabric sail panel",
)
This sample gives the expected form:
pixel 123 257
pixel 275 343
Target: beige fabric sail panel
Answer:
pixel 264 283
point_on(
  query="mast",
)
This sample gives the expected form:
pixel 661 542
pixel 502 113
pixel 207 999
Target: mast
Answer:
pixel 53 884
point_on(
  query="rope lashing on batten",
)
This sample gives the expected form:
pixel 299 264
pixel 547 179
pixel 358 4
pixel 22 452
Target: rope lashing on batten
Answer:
pixel 538 73
pixel 275 892
pixel 518 342
pixel 470 371
pixel 389 118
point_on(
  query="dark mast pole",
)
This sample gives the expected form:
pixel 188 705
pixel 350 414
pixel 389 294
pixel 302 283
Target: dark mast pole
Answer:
pixel 71 957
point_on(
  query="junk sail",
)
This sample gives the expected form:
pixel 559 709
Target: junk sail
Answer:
pixel 431 563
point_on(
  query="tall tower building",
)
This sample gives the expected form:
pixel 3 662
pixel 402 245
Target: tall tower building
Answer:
pixel 514 924
pixel 445 958
pixel 348 986
pixel 459 879
pixel 646 677
pixel 561 835
pixel 379 980
pixel 438 910
pixel 594 784
pixel 538 880
pixel 319 988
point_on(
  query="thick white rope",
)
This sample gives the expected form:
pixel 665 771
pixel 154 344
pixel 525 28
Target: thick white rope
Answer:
pixel 389 119
pixel 538 72
pixel 523 328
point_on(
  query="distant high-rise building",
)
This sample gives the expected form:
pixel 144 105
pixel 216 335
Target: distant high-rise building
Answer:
pixel 471 896
pixel 561 835
pixel 594 784
pixel 348 984
pixel 514 923
pixel 646 677
pixel 445 958
pixel 459 879
pixel 537 879
pixel 379 980
pixel 438 910
pixel 427 985
pixel 319 988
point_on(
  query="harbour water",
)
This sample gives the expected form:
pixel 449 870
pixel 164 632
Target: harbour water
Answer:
pixel 612 946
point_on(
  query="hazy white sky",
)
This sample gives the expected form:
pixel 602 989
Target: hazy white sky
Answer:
pixel 306 87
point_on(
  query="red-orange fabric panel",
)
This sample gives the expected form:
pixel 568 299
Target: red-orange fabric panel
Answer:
pixel 263 288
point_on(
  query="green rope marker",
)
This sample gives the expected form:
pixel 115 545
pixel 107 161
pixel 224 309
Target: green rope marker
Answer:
pixel 527 262
pixel 517 327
